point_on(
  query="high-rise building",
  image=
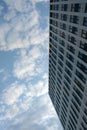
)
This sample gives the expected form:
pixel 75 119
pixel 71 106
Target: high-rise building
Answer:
pixel 68 62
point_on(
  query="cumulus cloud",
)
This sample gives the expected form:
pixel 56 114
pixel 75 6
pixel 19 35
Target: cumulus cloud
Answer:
pixel 26 64
pixel 10 95
pixel 22 27
pixel 25 103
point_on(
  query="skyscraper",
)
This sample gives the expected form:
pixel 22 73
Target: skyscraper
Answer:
pixel 68 62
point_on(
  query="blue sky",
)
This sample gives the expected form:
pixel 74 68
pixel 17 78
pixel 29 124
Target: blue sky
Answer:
pixel 24 33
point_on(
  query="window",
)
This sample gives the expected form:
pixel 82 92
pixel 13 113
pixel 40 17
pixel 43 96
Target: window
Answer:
pixel 78 83
pixel 68 72
pixel 85 111
pixel 83 125
pixel 54 7
pixel 60 56
pixel 72 39
pixel 53 22
pixel 64 7
pixel 74 118
pixel 83 46
pixel 76 99
pixel 86 8
pixel 74 19
pixel 82 67
pixel 71 48
pixel 54 56
pixel 53 29
pixel 74 125
pixel 65 90
pixel 54 50
pixel 64 17
pixel 84 34
pixel 70 57
pixel 61 50
pixel 73 30
pixel 82 56
pixel 63 26
pixel 69 64
pixel 85 119
pixel 75 7
pixel 85 21
pixel 81 76
pixel 62 42
pixel 59 68
pixel 60 63
pixel 62 34
pixel 76 106
pixel 76 114
pixel 77 91
pixel 67 78
pixel 66 84
pixel 59 75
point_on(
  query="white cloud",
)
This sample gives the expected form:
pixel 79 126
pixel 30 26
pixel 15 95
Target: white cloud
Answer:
pixel 26 66
pixel 40 1
pixel 26 106
pixel 1 70
pixel 11 94
pixel 23 28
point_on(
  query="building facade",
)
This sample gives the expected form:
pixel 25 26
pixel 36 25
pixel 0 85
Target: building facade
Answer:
pixel 68 62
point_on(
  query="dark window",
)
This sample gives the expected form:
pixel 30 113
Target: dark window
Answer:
pixel 80 86
pixel 82 56
pixel 74 19
pixel 68 72
pixel 83 46
pixel 69 64
pixel 77 91
pixel 67 78
pixel 86 8
pixel 54 56
pixel 64 7
pixel 59 68
pixel 70 125
pixel 83 125
pixel 76 106
pixel 70 57
pixel 84 34
pixel 85 119
pixel 64 17
pixel 75 7
pixel 61 50
pixel 73 30
pixel 65 90
pixel 81 76
pixel 85 21
pixel 62 34
pixel 76 99
pixel 76 114
pixel 61 64
pixel 59 75
pixel 71 48
pixel 82 67
pixel 62 42
pixel 66 84
pixel 72 122
pixel 63 26
pixel 60 56
pixel 71 113
pixel 54 50
pixel 85 111
pixel 71 39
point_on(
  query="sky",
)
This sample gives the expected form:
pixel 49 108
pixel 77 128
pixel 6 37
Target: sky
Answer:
pixel 24 41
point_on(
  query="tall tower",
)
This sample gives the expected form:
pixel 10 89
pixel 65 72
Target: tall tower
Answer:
pixel 68 62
